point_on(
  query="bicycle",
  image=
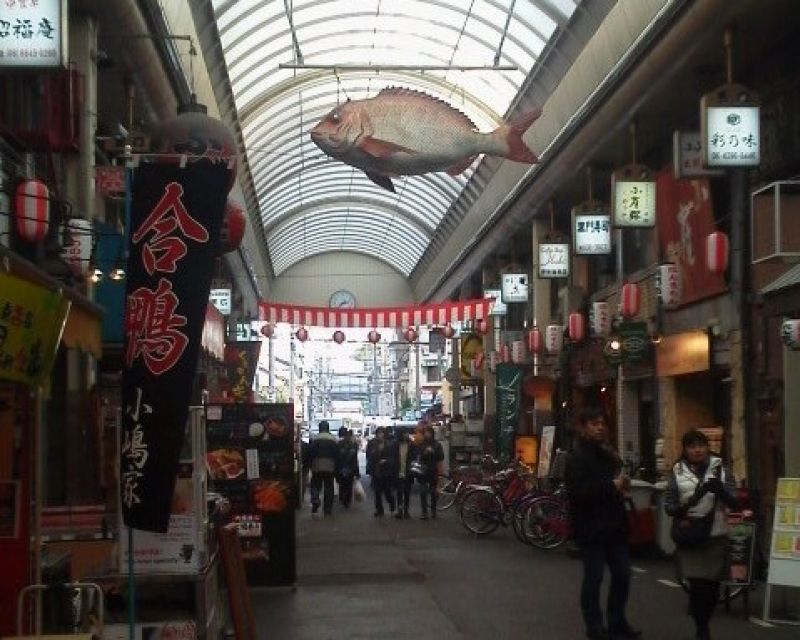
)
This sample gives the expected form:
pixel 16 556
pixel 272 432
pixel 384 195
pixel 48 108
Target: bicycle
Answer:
pixel 485 508
pixel 544 520
pixel 453 488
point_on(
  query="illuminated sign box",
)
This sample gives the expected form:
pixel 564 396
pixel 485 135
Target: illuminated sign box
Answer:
pixel 553 260
pixel 498 308
pixel 514 287
pixel 592 234
pixel 634 203
pixel 732 136
pixel 33 33
pixel 221 299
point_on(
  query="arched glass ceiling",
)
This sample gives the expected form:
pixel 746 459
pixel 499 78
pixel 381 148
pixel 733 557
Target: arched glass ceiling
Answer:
pixel 311 204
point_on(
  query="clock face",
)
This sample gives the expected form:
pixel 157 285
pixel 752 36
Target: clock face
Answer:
pixel 342 299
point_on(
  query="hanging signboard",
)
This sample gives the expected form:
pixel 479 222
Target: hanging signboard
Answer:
pixel 592 234
pixel 221 299
pixel 471 345
pixel 251 462
pixel 730 127
pixel 241 359
pixel 553 260
pixel 545 451
pixel 687 156
pixel 515 287
pixel 634 194
pixel 31 322
pixel 33 33
pixel 498 308
pixel 509 398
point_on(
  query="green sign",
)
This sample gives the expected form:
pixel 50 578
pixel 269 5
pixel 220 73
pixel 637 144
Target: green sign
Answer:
pixel 509 403
pixel 628 343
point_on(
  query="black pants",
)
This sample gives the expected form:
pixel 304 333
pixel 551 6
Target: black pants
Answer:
pixel 383 487
pixel 346 490
pixel 404 492
pixel 429 489
pixel 702 601
pixel 595 557
pixel 322 481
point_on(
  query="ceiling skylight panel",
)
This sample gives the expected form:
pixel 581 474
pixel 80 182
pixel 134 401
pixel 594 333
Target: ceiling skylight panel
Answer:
pixel 527 11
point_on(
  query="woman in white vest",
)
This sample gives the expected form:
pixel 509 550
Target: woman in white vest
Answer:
pixel 699 494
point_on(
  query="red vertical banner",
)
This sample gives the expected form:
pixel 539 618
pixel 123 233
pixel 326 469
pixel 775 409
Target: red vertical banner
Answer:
pixel 241 360
pixel 176 217
pixel 685 218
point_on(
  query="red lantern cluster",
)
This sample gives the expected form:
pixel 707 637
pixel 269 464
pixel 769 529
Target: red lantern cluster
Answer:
pixel 577 327
pixel 410 334
pixel 448 331
pixel 374 337
pixel 32 206
pixel 535 341
pixel 301 334
pixel 631 300
pixel 233 226
pixel 717 252
pixel 267 330
pixel 338 336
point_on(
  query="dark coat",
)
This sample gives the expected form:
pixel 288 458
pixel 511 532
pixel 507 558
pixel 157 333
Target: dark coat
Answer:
pixel 382 458
pixel 347 464
pixel 430 455
pixel 597 509
pixel 413 454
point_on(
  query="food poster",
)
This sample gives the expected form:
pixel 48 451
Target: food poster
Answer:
pixel 251 461
pixel 786 527
pixel 180 549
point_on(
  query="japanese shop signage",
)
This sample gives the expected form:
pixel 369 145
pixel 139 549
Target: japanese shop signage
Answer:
pixel 515 287
pixel 687 156
pixel 592 234
pixel 634 202
pixel 241 359
pixel 109 180
pixel 732 136
pixel 553 260
pixel 176 213
pixel 498 308
pixel 31 322
pixel 33 33
pixel 509 401
pixel 221 299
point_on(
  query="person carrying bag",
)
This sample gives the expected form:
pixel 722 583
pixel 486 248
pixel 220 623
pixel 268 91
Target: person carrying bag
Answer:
pixel 699 493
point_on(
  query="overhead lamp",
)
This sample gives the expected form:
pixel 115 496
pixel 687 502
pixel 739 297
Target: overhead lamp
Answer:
pixel 95 274
pixel 117 273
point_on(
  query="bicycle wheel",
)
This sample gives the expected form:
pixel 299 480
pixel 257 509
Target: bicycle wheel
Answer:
pixel 518 517
pixel 481 511
pixel 546 523
pixel 448 493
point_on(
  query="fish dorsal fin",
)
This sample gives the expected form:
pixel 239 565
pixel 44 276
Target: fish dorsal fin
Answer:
pixel 390 92
pixel 381 180
pixel 461 166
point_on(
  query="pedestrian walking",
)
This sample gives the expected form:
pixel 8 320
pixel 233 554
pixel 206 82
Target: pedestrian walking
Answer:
pixel 596 487
pixel 347 467
pixel 430 457
pixel 323 454
pixel 699 493
pixel 406 454
pixel 381 456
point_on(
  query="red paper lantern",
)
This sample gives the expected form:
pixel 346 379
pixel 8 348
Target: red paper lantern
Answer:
pixel 301 334
pixel 481 326
pixel 555 337
pixel 717 252
pixel 631 300
pixel 577 327
pixel 374 337
pixel 535 340
pixel 267 330
pixel 32 206
pixel 77 250
pixel 517 351
pixel 233 226
pixel 410 334
pixel 338 336
pixel 448 331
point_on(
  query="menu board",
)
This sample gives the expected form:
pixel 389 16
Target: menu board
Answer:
pixel 250 460
pixel 784 565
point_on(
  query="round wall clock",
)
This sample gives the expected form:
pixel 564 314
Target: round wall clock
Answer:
pixel 342 299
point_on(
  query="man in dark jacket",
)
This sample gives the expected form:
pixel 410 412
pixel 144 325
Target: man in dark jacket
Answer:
pixel 596 488
pixel 323 454
pixel 431 455
pixel 381 467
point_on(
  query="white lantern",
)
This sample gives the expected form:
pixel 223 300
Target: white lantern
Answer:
pixel 77 249
pixel 601 319
pixel 669 285
pixel 790 333
pixel 518 351
pixel 554 338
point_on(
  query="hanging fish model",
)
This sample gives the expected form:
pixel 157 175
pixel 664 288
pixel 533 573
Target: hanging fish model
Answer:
pixel 406 132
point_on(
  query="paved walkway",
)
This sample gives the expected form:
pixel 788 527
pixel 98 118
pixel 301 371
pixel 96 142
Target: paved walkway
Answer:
pixel 378 578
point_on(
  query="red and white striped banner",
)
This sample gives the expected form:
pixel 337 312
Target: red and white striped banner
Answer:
pixel 377 318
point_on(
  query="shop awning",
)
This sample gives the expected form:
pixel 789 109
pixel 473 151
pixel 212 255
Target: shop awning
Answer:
pixel 83 330
pixel 789 279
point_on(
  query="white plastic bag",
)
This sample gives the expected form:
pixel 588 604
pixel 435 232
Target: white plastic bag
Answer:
pixel 358 490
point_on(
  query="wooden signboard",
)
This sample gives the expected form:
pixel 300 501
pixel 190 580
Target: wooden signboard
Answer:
pixel 236 581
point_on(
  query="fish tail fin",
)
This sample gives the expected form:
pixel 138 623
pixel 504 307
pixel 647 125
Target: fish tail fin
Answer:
pixel 511 136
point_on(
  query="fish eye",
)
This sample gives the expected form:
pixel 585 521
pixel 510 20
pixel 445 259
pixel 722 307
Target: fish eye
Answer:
pixel 334 117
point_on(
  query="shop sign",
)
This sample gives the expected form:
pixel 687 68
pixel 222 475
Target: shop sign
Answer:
pixel 683 353
pixel 685 219
pixel 546 451
pixel 471 345
pixel 109 180
pixel 687 156
pixel 31 323
pixel 221 299
pixel 553 260
pixel 514 287
pixel 592 234
pixel 629 343
pixel 33 33
pixel 241 359
pixel 733 136
pixel 634 203
pixel 509 399
pixel 498 307
pixel 668 285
